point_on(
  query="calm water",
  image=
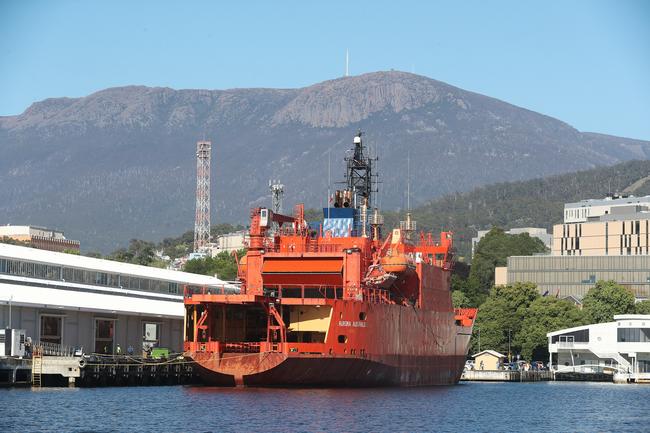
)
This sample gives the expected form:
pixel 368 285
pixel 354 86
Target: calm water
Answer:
pixel 471 407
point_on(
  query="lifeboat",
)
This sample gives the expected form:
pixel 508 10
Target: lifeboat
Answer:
pixel 397 264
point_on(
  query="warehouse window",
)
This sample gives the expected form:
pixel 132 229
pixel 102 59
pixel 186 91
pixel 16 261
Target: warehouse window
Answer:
pixel 104 335
pixel 150 335
pixel 51 329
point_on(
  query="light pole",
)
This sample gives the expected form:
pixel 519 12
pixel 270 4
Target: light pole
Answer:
pixel 479 340
pixel 11 298
pixel 509 356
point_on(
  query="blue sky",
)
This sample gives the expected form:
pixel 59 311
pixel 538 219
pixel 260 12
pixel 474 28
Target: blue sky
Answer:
pixel 584 62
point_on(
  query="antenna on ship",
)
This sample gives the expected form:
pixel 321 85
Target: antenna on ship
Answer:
pixel 277 195
pixel 408 226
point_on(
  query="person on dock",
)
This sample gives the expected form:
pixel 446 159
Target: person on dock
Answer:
pixel 118 349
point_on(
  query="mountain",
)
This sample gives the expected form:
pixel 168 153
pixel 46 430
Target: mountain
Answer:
pixel 531 203
pixel 119 164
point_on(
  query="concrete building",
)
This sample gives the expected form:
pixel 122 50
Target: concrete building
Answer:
pixel 600 240
pixel 575 275
pixel 92 303
pixel 586 210
pixel 39 237
pixel 612 226
pixel 229 242
pixel 621 347
pixel 536 232
pixel 603 238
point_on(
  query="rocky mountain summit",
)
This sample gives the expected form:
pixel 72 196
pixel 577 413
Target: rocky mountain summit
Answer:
pixel 119 163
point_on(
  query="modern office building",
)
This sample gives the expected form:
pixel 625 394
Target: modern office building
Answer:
pixel 586 210
pixel 536 232
pixel 574 275
pixel 607 237
pixel 600 240
pixel 39 237
pixel 621 346
pixel 92 303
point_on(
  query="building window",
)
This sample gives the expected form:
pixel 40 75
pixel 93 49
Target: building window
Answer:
pixel 633 335
pixel 51 329
pixel 581 336
pixel 150 335
pixel 104 335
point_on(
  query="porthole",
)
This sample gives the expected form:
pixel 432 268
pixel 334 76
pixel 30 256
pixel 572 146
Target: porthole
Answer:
pixel 343 339
pixel 362 316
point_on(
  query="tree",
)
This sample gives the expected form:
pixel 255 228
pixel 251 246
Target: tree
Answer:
pixel 492 251
pixel 642 307
pixel 606 299
pixel 459 299
pixel 139 252
pixel 544 315
pixel 222 265
pixel 501 316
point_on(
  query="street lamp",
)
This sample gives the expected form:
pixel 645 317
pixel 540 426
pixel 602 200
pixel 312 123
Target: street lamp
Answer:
pixel 509 356
pixel 479 340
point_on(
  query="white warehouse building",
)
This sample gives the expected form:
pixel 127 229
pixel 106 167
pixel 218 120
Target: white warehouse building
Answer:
pixel 621 347
pixel 92 303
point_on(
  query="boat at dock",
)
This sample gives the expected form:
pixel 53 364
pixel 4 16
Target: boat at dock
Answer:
pixel 333 304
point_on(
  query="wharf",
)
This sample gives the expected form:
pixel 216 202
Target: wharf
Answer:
pixel 135 371
pixel 15 371
pixel 506 376
pixel 95 371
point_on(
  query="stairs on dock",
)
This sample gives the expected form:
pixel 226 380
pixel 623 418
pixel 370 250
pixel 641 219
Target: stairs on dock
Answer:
pixel 37 370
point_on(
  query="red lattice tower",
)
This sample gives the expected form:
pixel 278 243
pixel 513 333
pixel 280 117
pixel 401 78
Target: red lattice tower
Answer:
pixel 202 220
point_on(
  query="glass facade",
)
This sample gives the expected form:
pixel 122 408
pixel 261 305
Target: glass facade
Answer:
pixel 581 336
pixel 24 268
pixel 633 335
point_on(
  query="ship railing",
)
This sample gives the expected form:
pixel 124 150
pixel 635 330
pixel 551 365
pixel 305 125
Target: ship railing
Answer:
pixel 312 246
pixel 305 291
pixel 189 290
pixel 241 347
pixel 45 348
pixel 376 296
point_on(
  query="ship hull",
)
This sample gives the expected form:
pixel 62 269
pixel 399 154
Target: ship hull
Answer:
pixel 319 371
pixel 402 347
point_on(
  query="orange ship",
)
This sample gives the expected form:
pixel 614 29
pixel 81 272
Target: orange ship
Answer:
pixel 334 304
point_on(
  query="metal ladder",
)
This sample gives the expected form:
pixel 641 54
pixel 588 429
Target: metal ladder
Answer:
pixel 37 370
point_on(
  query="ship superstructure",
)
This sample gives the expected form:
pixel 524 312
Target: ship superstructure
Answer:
pixel 333 305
